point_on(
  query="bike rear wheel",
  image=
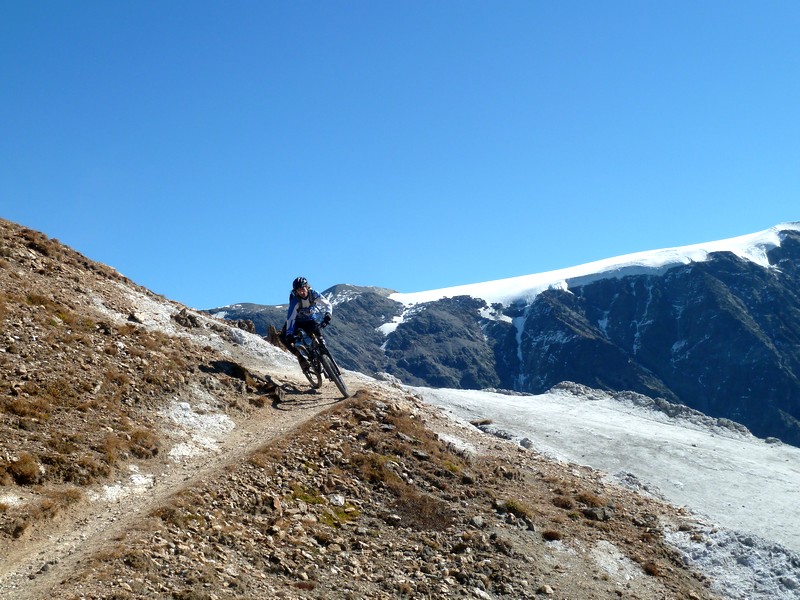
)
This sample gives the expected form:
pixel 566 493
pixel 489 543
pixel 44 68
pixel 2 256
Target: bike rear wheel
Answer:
pixel 314 377
pixel 332 371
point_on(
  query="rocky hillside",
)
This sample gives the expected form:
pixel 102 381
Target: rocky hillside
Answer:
pixel 148 451
pixel 719 336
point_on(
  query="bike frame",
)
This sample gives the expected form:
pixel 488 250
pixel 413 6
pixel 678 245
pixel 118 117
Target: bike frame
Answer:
pixel 320 360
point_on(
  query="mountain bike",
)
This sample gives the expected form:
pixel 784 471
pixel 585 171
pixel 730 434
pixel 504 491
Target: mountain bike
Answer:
pixel 319 361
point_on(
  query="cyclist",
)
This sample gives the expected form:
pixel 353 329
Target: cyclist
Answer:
pixel 304 303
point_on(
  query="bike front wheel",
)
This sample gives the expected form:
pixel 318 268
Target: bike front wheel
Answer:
pixel 332 371
pixel 311 370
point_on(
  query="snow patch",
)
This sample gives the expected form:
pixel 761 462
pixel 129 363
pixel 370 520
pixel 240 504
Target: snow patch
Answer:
pixel 458 443
pixel 609 558
pixel 199 428
pixel 492 314
pixel 343 297
pixel 388 328
pixel 741 566
pixel 136 483
pixel 727 475
pixel 11 500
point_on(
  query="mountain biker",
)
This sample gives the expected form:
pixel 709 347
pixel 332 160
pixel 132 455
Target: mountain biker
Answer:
pixel 304 302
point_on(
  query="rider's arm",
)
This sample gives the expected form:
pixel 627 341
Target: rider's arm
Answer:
pixel 291 315
pixel 320 299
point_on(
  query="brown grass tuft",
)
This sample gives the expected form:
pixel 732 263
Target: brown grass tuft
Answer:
pixel 27 407
pixel 652 569
pixel 551 535
pixel 422 511
pixel 305 585
pixel 518 509
pixel 563 502
pixel 25 470
pixel 590 499
pixel 144 443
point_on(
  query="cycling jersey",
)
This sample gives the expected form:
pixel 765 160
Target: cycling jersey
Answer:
pixel 306 309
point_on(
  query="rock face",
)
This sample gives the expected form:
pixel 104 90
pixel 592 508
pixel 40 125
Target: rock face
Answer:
pixel 720 336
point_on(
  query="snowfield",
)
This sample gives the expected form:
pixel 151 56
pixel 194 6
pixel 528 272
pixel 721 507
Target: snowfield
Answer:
pixel 743 490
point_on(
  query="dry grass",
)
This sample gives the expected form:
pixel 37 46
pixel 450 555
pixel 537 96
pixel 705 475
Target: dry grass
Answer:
pixel 551 535
pixel 41 243
pixel 78 376
pixel 590 499
pixel 374 468
pixel 422 511
pixel 652 569
pixel 19 519
pixel 144 443
pixel 563 502
pixel 273 513
pixel 409 440
pixel 25 470
pixel 180 511
pixel 519 509
pixel 37 299
pixel 30 405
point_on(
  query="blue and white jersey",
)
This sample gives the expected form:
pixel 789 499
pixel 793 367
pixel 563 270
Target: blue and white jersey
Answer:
pixel 311 308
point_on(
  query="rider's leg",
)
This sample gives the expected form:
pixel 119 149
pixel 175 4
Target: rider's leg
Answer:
pixel 291 348
pixel 308 327
pixel 313 328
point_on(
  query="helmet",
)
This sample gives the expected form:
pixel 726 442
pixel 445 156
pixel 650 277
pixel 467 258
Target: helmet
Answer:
pixel 300 282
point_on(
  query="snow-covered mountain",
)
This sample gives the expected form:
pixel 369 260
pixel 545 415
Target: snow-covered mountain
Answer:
pixel 753 247
pixel 714 326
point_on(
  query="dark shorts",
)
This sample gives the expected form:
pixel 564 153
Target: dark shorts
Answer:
pixel 308 326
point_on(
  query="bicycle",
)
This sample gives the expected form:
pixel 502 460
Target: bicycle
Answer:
pixel 318 360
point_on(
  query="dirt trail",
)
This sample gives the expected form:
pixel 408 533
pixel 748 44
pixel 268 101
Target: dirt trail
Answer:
pixel 33 568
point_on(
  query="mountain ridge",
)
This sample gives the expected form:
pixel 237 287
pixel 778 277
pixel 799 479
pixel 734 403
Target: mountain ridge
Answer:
pixel 712 326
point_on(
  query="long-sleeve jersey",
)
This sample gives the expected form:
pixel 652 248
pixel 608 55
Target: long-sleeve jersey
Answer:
pixel 304 309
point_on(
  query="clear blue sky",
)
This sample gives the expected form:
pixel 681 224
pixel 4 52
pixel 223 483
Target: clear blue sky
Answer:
pixel 212 151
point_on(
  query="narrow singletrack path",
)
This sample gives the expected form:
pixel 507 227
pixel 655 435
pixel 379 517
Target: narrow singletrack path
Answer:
pixel 32 570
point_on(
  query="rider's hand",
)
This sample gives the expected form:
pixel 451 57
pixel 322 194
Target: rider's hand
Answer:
pixel 326 320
